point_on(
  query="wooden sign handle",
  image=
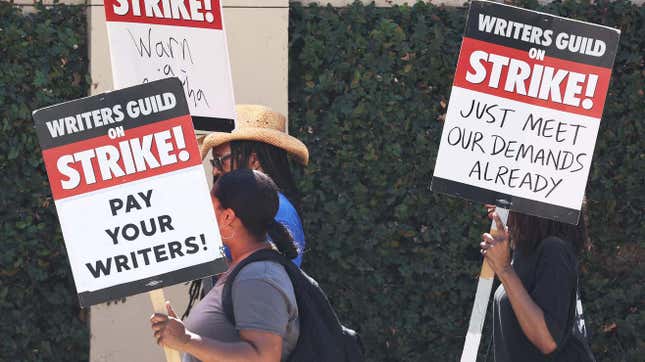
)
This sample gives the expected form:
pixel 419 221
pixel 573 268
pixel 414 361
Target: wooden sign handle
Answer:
pixel 478 314
pixel 486 271
pixel 159 306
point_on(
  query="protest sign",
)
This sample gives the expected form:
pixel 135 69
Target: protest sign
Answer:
pixel 524 110
pixel 152 39
pixel 130 191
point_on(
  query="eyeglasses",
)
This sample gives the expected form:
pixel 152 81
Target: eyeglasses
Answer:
pixel 218 162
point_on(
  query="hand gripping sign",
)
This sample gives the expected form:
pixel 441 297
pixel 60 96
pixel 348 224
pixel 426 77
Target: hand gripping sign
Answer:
pixel 130 191
pixel 522 121
pixel 156 39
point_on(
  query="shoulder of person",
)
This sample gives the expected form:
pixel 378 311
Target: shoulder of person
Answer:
pixel 554 245
pixel 265 270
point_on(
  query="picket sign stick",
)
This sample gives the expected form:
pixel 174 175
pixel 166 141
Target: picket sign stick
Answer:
pixel 478 314
pixel 159 306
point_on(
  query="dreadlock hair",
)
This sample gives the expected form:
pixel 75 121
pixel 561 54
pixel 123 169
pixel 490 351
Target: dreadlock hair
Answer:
pixel 253 196
pixel 527 231
pixel 274 163
pixel 195 293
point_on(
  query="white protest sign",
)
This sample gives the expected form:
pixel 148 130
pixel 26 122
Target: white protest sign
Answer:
pixel 152 39
pixel 524 110
pixel 130 191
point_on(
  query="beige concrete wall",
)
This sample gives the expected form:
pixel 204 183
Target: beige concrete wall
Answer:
pixel 258 47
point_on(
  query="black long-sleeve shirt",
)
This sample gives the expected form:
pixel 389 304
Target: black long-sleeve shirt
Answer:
pixel 549 275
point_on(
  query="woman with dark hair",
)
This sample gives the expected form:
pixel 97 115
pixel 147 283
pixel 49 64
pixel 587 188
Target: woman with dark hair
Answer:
pixel 266 313
pixel 260 142
pixel 533 306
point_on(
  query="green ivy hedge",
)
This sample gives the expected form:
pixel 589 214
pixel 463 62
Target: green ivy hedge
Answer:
pixel 43 60
pixel 368 89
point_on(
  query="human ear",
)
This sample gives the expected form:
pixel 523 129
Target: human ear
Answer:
pixel 228 216
pixel 254 162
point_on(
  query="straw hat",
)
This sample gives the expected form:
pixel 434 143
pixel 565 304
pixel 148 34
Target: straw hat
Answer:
pixel 262 124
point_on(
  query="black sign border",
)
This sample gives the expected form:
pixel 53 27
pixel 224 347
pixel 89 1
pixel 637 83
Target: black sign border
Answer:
pixel 198 271
pixel 513 203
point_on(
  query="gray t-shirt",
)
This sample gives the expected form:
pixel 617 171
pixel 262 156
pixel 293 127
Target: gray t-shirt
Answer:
pixel 263 299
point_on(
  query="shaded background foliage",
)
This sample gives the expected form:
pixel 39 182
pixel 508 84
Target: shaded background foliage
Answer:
pixel 43 60
pixel 368 90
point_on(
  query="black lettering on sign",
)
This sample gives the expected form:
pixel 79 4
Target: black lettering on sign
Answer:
pixel 146 256
pixel 147 227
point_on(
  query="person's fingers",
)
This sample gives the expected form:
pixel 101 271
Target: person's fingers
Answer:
pixel 171 312
pixel 158 317
pixel 491 214
pixel 499 224
pixel 158 326
pixel 487 243
pixel 487 238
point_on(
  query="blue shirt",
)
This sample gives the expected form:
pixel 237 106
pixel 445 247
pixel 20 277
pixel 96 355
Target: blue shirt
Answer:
pixel 288 216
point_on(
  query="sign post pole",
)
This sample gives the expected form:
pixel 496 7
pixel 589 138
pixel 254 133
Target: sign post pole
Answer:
pixel 478 314
pixel 159 306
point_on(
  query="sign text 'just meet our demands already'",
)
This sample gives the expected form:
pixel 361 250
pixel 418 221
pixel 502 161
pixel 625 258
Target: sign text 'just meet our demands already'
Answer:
pixel 524 110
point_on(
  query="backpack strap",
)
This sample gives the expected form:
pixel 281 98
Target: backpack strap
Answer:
pixel 314 310
pixel 260 255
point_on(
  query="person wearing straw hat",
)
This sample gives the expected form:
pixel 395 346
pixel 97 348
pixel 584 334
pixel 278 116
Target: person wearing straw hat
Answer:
pixel 260 142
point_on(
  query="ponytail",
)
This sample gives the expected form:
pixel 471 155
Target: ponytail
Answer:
pixel 282 239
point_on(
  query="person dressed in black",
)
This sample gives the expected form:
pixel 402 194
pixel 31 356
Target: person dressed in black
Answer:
pixel 533 309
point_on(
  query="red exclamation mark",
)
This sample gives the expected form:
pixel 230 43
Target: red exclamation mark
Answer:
pixel 181 143
pixel 587 103
pixel 208 7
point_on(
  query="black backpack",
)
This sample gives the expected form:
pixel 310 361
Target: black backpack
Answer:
pixel 575 347
pixel 322 337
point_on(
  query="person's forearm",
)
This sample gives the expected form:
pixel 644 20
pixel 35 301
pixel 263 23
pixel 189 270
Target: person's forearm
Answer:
pixel 529 315
pixel 207 350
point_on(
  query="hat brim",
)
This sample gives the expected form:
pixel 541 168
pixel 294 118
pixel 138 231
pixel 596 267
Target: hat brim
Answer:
pixel 273 137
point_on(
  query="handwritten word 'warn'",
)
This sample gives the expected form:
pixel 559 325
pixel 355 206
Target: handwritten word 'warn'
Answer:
pixel 172 48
